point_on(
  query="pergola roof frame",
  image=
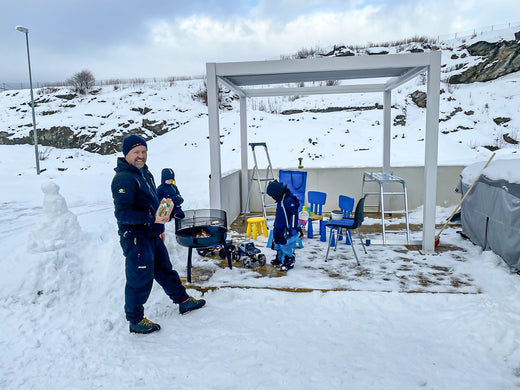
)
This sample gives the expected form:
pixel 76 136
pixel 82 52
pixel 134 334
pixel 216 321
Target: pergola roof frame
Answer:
pixel 390 71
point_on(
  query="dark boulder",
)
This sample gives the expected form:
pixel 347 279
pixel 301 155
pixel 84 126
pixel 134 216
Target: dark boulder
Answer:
pixel 419 98
pixel 500 58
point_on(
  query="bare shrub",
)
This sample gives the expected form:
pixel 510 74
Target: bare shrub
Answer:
pixel 44 154
pixel 112 82
pixel 202 94
pixel 137 81
pixel 304 53
pixel 82 82
pixel 47 90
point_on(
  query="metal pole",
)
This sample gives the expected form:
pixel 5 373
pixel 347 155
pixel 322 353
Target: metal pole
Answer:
pixel 36 154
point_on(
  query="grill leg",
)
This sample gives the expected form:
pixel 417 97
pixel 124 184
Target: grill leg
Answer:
pixel 188 272
pixel 228 255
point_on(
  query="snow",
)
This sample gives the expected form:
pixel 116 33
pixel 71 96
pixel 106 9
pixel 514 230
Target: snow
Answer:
pixel 401 320
pixel 506 169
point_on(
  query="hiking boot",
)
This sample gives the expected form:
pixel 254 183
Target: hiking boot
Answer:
pixel 191 304
pixel 288 264
pixel 276 261
pixel 145 326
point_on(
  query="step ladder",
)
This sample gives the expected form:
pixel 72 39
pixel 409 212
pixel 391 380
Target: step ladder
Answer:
pixel 384 182
pixel 262 182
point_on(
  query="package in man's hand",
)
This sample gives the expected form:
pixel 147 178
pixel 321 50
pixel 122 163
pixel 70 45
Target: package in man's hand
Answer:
pixel 165 208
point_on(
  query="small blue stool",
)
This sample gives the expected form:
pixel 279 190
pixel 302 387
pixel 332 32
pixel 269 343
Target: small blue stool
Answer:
pixel 270 240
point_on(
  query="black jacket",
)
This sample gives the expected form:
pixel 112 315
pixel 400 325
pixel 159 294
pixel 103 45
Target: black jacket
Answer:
pixel 135 201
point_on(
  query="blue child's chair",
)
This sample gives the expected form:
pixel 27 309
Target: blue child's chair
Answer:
pixel 316 201
pixel 346 205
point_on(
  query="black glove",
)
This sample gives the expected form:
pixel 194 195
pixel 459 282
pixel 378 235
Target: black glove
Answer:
pixel 176 198
pixel 178 213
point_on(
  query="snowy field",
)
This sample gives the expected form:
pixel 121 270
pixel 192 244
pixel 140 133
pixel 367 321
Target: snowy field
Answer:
pixel 62 296
pixel 401 320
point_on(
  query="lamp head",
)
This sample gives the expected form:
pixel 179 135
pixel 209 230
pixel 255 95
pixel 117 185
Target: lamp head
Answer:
pixel 22 29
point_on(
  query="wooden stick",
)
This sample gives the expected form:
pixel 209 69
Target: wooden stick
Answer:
pixel 462 200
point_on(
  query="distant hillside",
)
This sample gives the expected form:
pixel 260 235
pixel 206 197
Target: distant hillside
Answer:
pixel 479 104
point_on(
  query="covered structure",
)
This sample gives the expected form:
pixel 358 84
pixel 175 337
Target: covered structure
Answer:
pixel 357 74
pixel 490 214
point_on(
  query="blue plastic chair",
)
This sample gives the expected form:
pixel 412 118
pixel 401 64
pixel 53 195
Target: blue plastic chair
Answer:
pixel 346 204
pixel 348 224
pixel 316 201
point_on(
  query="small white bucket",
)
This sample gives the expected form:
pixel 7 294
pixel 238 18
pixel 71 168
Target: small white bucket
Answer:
pixel 336 214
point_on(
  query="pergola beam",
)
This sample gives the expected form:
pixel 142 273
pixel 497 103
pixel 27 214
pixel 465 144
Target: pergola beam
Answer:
pixel 307 91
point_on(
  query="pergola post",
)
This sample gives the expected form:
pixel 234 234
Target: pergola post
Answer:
pixel 431 140
pixel 387 129
pixel 243 153
pixel 215 200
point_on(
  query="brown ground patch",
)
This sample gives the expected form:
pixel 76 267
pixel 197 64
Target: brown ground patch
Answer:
pixel 409 271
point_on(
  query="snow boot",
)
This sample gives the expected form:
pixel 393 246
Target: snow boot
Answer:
pixel 145 326
pixel 191 304
pixel 277 260
pixel 288 264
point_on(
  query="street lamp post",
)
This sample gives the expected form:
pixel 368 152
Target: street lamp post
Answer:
pixel 26 32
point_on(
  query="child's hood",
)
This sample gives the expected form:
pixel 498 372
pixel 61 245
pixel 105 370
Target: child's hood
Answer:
pixel 275 190
pixel 167 174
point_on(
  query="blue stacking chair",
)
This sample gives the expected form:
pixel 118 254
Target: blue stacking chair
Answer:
pixel 346 205
pixel 348 224
pixel 316 201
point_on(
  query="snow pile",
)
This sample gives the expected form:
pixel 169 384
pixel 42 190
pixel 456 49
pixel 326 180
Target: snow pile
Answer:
pixel 59 227
pixel 498 169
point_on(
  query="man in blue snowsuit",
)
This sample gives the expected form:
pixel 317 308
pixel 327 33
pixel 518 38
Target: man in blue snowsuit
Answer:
pixel 141 237
pixel 285 230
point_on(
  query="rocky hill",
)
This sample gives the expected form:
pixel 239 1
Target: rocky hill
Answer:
pixel 479 102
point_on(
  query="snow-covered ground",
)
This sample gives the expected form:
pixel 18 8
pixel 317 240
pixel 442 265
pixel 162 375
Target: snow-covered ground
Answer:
pixel 401 320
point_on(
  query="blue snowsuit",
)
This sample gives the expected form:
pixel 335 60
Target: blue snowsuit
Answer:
pixel 135 202
pixel 171 191
pixel 285 233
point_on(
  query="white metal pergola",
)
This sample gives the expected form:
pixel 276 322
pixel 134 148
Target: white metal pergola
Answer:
pixel 359 74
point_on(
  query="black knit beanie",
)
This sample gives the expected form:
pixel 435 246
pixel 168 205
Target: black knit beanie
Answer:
pixel 131 142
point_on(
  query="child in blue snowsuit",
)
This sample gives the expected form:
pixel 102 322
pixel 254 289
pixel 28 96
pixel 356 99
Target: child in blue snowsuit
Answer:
pixel 285 230
pixel 168 189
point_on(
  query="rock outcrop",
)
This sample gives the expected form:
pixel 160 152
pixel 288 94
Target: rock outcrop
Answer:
pixel 500 58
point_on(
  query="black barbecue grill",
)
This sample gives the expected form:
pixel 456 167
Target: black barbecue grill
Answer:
pixel 204 228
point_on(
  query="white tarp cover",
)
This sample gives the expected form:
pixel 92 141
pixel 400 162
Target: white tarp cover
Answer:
pixel 490 213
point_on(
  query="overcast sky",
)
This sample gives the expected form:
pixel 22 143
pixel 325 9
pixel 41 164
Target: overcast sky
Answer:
pixel 164 38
